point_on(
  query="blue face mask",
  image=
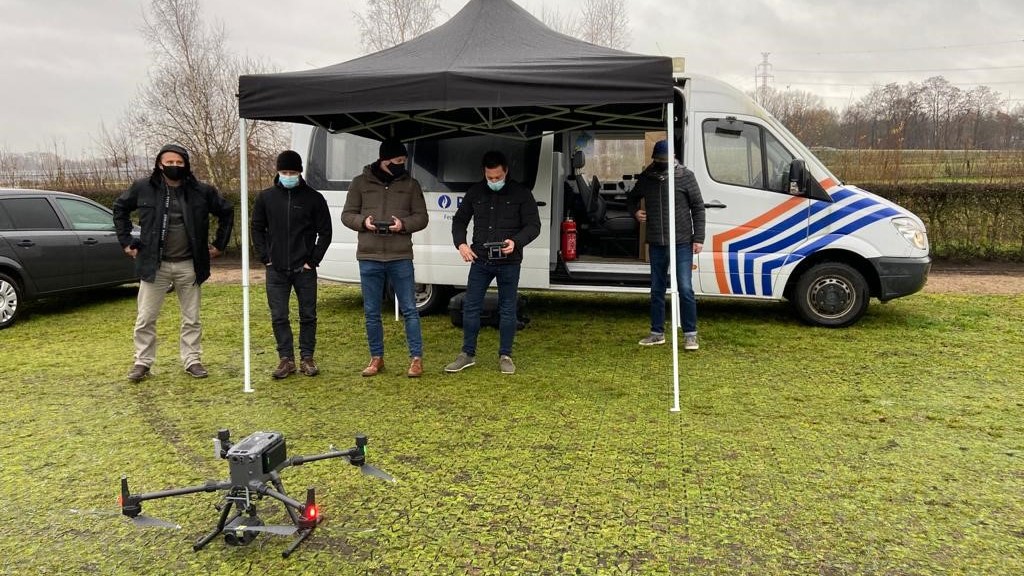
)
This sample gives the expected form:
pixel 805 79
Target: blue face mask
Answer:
pixel 288 181
pixel 496 185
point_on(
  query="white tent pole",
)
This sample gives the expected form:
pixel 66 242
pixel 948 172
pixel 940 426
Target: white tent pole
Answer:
pixel 673 284
pixel 243 161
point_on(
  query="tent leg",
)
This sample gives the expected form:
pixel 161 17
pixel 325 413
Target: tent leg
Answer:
pixel 243 161
pixel 673 283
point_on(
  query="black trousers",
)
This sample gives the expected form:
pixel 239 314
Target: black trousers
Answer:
pixel 279 289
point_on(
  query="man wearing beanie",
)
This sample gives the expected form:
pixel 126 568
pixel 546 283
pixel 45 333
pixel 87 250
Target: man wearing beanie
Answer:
pixel 652 188
pixel 291 230
pixel 173 249
pixel 385 205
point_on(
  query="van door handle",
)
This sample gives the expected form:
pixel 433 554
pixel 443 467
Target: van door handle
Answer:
pixel 26 243
pixel 90 241
pixel 542 203
pixel 714 204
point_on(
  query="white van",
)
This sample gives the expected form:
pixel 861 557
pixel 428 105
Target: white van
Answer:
pixel 780 226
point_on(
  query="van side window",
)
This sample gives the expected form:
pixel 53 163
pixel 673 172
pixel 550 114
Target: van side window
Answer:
pixel 744 154
pixel 347 154
pixel 32 214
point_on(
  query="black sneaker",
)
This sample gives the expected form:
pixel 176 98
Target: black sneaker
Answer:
pixel 197 371
pixel 138 372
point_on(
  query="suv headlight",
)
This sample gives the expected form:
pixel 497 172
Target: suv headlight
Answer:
pixel 912 231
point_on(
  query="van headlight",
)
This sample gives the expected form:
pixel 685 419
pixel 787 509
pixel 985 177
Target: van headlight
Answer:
pixel 912 231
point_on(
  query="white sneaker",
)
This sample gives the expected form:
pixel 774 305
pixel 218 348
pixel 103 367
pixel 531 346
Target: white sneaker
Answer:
pixel 690 342
pixel 653 339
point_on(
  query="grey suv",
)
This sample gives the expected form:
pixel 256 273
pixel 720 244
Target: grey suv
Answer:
pixel 53 243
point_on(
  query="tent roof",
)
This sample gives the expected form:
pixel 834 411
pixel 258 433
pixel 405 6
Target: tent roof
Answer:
pixel 492 67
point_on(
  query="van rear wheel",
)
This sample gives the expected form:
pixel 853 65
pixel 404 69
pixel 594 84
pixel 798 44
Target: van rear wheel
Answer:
pixel 430 297
pixel 831 294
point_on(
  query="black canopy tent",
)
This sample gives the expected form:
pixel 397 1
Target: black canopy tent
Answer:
pixel 492 68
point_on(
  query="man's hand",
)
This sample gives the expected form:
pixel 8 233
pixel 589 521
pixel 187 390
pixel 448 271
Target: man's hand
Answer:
pixel 641 215
pixel 508 247
pixel 307 267
pixel 368 224
pixel 131 251
pixel 396 225
pixel 466 252
pixel 697 247
pixel 214 252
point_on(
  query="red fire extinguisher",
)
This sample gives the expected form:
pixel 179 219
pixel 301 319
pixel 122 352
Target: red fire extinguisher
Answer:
pixel 568 239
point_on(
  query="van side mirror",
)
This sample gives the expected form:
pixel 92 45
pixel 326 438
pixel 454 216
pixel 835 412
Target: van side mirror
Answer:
pixel 797 177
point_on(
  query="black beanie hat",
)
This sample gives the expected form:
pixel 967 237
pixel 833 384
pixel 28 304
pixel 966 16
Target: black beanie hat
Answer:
pixel 392 148
pixel 289 160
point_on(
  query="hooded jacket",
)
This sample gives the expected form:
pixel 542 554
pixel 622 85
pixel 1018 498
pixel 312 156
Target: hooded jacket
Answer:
pixel 291 227
pixel 198 202
pixel 372 194
pixel 652 187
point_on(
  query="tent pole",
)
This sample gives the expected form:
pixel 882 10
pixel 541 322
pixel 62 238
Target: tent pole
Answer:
pixel 243 161
pixel 672 263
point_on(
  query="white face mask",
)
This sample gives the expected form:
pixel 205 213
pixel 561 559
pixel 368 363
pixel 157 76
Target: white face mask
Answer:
pixel 496 185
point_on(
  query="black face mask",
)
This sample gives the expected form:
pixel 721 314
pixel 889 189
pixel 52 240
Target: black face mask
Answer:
pixel 660 166
pixel 174 172
pixel 396 169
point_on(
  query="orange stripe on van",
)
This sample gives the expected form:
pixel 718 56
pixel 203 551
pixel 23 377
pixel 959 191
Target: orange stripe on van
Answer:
pixel 828 183
pixel 720 273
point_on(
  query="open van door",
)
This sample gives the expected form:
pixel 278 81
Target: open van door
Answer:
pixel 755 217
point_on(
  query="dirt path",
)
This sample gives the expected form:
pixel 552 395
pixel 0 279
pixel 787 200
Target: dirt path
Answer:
pixel 945 278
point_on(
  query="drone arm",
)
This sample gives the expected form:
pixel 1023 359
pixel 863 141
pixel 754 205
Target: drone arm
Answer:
pixel 131 504
pixel 300 460
pixel 283 498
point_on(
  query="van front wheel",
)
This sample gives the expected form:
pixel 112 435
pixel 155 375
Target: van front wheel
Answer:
pixel 831 294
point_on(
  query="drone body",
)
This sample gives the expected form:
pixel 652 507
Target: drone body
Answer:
pixel 254 465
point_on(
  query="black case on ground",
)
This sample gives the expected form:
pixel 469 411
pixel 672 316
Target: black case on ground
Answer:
pixel 489 315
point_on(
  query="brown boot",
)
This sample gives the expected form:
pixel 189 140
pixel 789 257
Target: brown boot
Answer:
pixel 376 365
pixel 415 368
pixel 285 369
pixel 308 366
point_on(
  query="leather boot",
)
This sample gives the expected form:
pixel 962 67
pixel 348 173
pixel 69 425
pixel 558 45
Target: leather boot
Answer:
pixel 376 365
pixel 415 368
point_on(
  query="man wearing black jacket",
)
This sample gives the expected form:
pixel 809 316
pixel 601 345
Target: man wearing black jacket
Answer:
pixel 291 230
pixel 505 219
pixel 173 249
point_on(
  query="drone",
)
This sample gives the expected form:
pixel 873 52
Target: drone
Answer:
pixel 255 464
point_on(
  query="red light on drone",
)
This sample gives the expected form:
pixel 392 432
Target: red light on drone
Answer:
pixel 312 512
pixel 120 500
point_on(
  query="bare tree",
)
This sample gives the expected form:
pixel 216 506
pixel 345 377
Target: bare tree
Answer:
pixel 190 96
pixel 387 23
pixel 567 24
pixel 606 23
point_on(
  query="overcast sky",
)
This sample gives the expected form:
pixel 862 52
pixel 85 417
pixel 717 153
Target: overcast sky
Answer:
pixel 68 65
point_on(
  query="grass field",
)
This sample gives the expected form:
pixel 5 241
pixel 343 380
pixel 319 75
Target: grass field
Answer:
pixel 892 447
pixel 907 166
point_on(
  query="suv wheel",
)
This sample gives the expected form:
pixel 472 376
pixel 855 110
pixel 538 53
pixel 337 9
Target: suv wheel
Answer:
pixel 10 298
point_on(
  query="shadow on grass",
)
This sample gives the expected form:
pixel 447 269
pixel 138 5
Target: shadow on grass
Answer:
pixel 56 305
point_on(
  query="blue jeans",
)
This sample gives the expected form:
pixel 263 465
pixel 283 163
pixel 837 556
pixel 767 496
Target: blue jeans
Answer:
pixel 480 276
pixel 660 282
pixel 279 289
pixel 372 275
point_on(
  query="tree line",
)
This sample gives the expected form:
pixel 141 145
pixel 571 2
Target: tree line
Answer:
pixel 931 115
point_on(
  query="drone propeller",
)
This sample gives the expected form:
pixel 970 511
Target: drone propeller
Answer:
pixel 280 529
pixel 375 472
pixel 140 521
pixel 150 522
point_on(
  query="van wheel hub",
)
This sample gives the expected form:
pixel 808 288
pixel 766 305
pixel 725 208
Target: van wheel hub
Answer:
pixel 831 296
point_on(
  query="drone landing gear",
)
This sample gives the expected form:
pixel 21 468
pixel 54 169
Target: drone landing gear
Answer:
pixel 242 527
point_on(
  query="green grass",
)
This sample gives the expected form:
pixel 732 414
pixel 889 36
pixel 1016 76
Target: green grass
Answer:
pixel 892 447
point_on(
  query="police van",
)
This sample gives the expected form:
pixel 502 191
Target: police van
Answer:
pixel 780 226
